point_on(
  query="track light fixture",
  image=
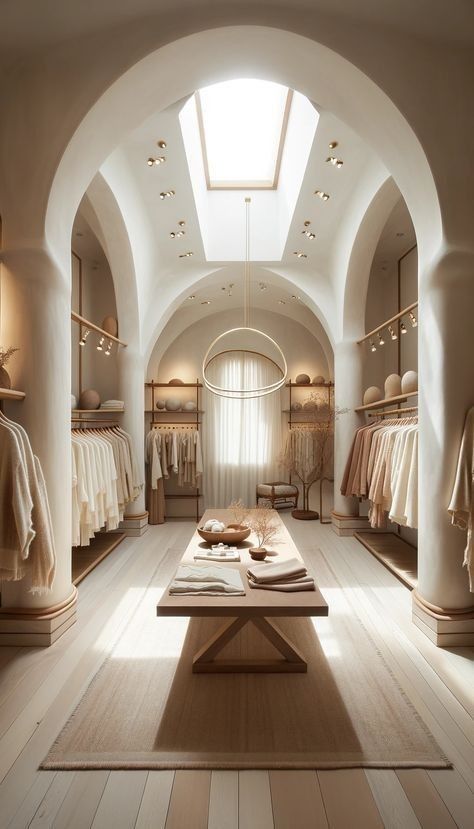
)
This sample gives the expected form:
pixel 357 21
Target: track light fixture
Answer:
pixel 381 339
pixel 167 194
pixel 100 344
pixel 186 255
pixel 155 161
pixel 300 254
pixel 108 349
pixel 84 337
pixel 336 162
pixel 403 328
pixel 413 320
pixel 308 234
pixel 321 195
pixel 373 347
pixel 393 336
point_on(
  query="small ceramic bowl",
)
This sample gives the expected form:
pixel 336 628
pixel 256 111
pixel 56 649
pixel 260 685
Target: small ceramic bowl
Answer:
pixel 257 553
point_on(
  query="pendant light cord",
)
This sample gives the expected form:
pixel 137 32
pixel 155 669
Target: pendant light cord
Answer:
pixel 247 265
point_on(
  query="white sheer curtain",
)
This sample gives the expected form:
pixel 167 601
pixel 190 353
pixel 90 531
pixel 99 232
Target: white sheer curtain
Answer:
pixel 242 438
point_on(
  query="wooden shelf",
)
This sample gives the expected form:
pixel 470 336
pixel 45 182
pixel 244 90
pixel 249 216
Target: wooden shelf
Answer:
pixel 396 554
pixel 92 326
pixel 180 411
pixel 173 385
pixel 95 411
pixel 309 385
pixel 389 401
pixel 12 394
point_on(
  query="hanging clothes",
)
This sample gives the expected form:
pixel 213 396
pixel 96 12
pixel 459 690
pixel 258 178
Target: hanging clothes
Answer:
pixel 105 478
pixel 26 535
pixel 383 466
pixel 461 506
pixel 308 451
pixel 167 452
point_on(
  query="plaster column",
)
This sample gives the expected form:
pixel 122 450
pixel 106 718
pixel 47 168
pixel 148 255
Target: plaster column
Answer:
pixel 348 358
pixel 36 306
pixel 131 386
pixel 443 605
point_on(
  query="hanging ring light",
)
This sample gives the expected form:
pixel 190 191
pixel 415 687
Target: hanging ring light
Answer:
pixel 246 329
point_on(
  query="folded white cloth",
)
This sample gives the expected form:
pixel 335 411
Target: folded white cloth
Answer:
pixel 293 568
pixel 231 555
pixel 286 587
pixel 206 580
pixel 113 404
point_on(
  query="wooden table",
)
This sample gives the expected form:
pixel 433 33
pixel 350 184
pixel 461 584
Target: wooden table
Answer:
pixel 254 607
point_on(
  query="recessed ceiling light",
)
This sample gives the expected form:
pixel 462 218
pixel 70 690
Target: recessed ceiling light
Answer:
pixel 281 302
pixel 300 254
pixel 161 144
pixel 186 255
pixel 262 286
pixel 182 223
pixel 308 234
pixel 295 296
pixel 307 223
pixel 173 234
pixel 152 161
pixel 167 194
pixel 333 145
pixel 400 233
pixel 206 302
pixel 321 194
pixel 336 162
pixel 79 233
pixel 192 296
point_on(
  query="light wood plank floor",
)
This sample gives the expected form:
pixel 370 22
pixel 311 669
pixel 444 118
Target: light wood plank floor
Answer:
pixel 40 687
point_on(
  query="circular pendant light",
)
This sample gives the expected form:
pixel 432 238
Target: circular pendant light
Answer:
pixel 246 332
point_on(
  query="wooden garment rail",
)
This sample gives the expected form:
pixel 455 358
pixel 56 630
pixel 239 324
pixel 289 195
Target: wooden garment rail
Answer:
pixel 393 411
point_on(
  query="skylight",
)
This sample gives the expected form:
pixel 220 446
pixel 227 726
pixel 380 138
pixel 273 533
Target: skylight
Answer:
pixel 243 125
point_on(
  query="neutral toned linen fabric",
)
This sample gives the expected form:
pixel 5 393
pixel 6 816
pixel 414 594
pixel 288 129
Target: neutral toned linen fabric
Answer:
pixel 461 506
pixel 285 570
pixel 207 580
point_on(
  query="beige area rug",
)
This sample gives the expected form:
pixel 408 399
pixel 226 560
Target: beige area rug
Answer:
pixel 145 709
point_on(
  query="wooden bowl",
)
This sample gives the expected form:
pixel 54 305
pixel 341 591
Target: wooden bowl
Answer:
pixel 233 534
pixel 258 553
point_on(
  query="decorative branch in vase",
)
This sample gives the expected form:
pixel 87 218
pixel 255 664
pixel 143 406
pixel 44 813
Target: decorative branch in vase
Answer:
pixel 5 354
pixel 262 523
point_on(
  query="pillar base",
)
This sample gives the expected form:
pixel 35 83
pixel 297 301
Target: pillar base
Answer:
pixel 134 525
pixel 348 524
pixel 37 627
pixel 445 628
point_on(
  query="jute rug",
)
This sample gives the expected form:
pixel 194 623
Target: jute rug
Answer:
pixel 145 709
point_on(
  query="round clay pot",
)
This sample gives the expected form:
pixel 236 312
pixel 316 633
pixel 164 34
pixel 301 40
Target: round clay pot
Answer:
pixel 310 406
pixel 176 382
pixel 5 382
pixel 393 385
pixel 296 407
pixel 161 404
pixel 172 404
pixel 302 379
pixel 190 406
pixel 318 380
pixel 409 382
pixel 110 325
pixel 258 553
pixel 89 399
pixel 372 394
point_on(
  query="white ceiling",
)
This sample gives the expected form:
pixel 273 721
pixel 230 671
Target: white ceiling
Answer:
pixel 28 25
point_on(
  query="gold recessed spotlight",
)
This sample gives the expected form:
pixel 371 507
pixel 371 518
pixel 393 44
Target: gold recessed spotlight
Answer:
pixel 186 255
pixel 177 234
pixel 308 234
pixel 381 339
pixel 263 286
pixel 403 328
pixel 307 223
pixel 100 344
pixel 108 349
pixel 413 320
pixel 392 333
pixel 281 302
pixel 181 223
pixel 300 254
pixel 206 302
pixel 373 347
pixel 152 161
pixel 333 145
pixel 84 337
pixel 321 194
pixel 167 194
pixel 161 144
pixel 336 162
pixel 192 296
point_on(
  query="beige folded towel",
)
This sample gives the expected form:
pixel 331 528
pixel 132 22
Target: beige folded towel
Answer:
pixel 206 580
pixel 288 570
pixel 286 587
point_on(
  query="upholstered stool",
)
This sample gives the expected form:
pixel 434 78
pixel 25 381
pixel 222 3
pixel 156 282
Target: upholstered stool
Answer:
pixel 279 494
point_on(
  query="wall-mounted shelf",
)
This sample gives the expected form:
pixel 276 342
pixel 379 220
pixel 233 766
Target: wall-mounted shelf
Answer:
pixel 12 394
pixel 91 325
pixel 389 401
pixel 180 411
pixel 96 411
pixel 152 384
pixel 309 385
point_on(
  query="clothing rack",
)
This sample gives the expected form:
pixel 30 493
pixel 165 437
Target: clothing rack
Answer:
pixel 185 424
pixel 394 411
pixel 98 423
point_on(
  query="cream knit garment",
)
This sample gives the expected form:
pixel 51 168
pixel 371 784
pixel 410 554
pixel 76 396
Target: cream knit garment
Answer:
pixel 461 505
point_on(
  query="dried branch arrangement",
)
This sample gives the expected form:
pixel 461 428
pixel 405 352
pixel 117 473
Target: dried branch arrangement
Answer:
pixel 239 511
pixel 5 354
pixel 261 520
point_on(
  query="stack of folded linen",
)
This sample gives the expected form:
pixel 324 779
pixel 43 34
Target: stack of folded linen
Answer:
pixel 289 576
pixel 113 404
pixel 206 580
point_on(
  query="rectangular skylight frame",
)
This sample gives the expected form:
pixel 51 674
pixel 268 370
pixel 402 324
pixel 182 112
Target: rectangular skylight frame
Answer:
pixel 247 185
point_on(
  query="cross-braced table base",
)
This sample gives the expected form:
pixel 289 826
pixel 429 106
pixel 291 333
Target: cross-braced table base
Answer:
pixel 205 662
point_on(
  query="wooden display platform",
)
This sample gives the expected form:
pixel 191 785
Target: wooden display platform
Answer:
pixel 84 559
pixel 253 608
pixel 394 553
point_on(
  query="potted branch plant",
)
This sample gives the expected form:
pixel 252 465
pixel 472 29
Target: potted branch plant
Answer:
pixel 262 523
pixel 5 354
pixel 239 512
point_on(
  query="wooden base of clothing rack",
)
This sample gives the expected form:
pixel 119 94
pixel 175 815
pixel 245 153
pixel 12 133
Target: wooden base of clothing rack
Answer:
pixel 85 559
